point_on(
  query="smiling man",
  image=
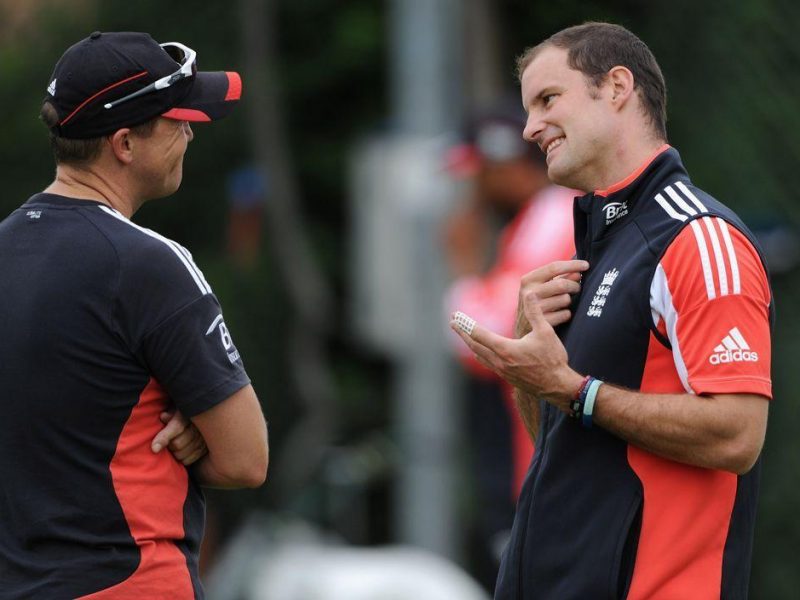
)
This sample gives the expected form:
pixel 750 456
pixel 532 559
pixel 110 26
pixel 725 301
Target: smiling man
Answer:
pixel 108 327
pixel 645 362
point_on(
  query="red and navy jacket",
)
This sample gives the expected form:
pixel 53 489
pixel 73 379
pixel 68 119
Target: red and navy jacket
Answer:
pixel 105 325
pixel 676 300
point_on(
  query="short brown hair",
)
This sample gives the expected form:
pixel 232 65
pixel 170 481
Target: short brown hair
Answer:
pixel 595 48
pixel 80 152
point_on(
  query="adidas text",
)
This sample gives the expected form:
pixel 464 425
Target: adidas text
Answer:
pixel 730 356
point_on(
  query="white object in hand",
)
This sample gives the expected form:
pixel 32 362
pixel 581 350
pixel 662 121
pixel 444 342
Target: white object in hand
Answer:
pixel 464 323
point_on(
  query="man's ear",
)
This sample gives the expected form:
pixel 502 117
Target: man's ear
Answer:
pixel 121 142
pixel 620 79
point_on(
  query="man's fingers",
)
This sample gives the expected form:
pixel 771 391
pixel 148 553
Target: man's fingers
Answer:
pixel 194 456
pixel 488 347
pixel 555 269
pixel 191 452
pixel 554 287
pixel 557 318
pixel 570 276
pixel 174 427
pixel 481 352
pixel 533 310
pixel 463 324
pixel 555 303
pixel 182 440
pixel 163 437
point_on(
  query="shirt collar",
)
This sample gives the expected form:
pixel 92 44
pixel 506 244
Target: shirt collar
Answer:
pixel 614 206
pixel 620 185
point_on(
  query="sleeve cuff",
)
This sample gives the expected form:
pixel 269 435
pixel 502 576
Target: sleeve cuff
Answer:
pixel 215 396
pixel 739 385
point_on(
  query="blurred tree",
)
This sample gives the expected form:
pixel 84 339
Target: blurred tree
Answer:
pixel 307 289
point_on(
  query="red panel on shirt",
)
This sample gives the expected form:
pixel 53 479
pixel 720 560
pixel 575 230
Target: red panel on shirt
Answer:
pixel 686 510
pixel 685 520
pixel 151 489
pixel 719 301
pixel 721 297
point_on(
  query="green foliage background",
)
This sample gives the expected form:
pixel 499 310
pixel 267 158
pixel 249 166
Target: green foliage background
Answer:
pixel 733 72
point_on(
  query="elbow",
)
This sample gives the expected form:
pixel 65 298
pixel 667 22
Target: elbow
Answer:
pixel 741 439
pixel 742 465
pixel 742 455
pixel 258 476
pixel 246 472
pixel 255 469
pixel 255 473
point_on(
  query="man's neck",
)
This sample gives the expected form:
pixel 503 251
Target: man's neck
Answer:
pixel 88 184
pixel 627 158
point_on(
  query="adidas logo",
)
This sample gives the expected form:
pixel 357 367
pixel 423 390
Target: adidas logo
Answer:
pixel 51 89
pixel 733 349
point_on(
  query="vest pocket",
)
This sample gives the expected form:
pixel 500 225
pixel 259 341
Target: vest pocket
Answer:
pixel 625 552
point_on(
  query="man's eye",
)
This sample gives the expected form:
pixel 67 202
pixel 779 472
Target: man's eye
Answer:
pixel 548 98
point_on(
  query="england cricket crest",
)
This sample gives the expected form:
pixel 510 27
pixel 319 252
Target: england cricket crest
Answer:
pixel 601 295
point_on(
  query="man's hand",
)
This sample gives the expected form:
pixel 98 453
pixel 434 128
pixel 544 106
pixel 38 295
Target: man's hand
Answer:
pixel 553 285
pixel 720 431
pixel 536 363
pixel 181 437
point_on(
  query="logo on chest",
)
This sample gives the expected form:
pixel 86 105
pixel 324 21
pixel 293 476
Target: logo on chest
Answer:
pixel 614 211
pixel 601 295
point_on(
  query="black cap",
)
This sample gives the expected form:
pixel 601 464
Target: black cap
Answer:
pixel 492 135
pixel 496 132
pixel 108 66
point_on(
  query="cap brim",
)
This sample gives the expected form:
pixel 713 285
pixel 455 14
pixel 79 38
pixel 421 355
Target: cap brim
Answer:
pixel 462 160
pixel 213 96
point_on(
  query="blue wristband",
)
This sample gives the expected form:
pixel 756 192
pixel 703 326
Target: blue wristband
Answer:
pixel 588 403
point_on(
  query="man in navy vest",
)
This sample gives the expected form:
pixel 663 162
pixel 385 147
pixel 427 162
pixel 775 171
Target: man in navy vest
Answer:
pixel 643 366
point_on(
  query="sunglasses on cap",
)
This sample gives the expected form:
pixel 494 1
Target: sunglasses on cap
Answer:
pixel 500 142
pixel 183 55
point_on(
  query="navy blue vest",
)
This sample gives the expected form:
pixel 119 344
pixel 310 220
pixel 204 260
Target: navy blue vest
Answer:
pixel 577 525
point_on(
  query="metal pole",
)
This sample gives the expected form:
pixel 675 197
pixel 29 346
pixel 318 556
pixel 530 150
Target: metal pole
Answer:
pixel 425 80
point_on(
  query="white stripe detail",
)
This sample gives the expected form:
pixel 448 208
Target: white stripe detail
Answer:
pixel 682 187
pixel 729 343
pixel 188 255
pixel 704 260
pixel 679 201
pixel 737 335
pixel 737 283
pixel 719 348
pixel 662 307
pixel 214 324
pixel 169 243
pixel 723 276
pixel 668 207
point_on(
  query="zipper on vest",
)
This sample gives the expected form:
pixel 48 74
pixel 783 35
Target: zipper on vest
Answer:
pixel 547 411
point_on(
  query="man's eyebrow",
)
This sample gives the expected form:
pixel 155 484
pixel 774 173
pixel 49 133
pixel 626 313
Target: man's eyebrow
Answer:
pixel 548 89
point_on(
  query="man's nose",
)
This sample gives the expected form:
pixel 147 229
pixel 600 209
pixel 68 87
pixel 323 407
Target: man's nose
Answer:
pixel 533 129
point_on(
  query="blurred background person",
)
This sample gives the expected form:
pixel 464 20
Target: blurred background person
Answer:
pixel 505 188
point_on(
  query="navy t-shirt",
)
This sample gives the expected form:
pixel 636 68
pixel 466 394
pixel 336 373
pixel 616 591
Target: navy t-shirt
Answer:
pixel 105 324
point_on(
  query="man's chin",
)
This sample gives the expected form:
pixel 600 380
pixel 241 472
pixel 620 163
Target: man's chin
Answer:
pixel 170 187
pixel 165 191
pixel 557 174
